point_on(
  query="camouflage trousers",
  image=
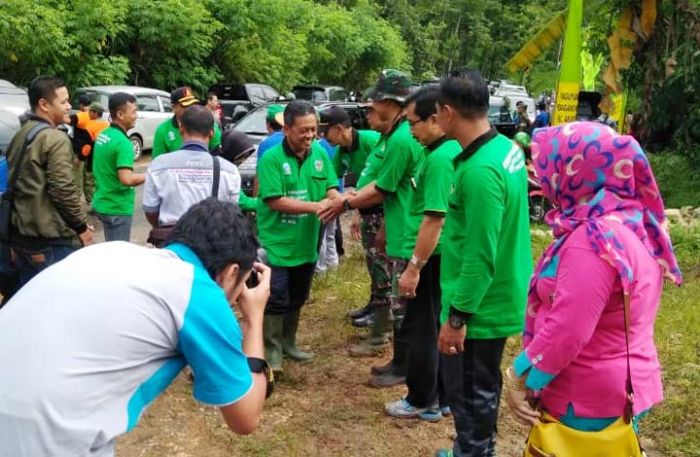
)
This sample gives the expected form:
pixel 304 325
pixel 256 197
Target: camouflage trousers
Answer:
pixel 377 262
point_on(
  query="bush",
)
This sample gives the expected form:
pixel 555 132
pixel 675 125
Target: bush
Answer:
pixel 679 183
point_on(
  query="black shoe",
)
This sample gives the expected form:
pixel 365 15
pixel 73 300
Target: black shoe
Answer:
pixel 360 312
pixel 379 370
pixel 387 380
pixel 362 322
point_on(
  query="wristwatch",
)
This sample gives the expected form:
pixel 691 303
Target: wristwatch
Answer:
pixel 416 262
pixel 260 366
pixel 456 322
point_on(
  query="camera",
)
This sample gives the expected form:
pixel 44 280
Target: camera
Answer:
pixel 253 280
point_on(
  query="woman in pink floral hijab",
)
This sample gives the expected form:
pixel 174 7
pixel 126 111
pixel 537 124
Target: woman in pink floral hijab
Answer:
pixel 609 242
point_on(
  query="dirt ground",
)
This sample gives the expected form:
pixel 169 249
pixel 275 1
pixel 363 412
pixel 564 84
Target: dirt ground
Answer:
pixel 324 408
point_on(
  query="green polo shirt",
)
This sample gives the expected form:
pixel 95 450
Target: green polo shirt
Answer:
pixel 353 159
pixel 113 150
pixel 372 164
pixel 486 260
pixel 292 239
pixel 433 190
pixel 397 178
pixel 168 139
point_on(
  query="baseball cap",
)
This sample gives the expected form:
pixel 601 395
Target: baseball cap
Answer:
pixel 332 116
pixel 523 139
pixel 275 113
pixel 96 107
pixel 391 85
pixel 183 96
pixel 236 146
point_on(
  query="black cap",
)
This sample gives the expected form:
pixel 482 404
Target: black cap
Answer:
pixel 334 115
pixel 236 146
pixel 183 96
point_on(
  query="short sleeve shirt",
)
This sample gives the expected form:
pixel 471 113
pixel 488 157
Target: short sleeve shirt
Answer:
pixel 122 322
pixel 113 151
pixel 168 138
pixel 354 159
pixel 291 239
pixel 403 160
pixel 176 181
pixel 433 191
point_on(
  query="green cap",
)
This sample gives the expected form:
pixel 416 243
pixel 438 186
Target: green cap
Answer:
pixel 275 113
pixel 391 85
pixel 523 139
pixel 96 107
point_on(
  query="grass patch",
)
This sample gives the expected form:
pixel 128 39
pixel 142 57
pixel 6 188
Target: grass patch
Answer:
pixel 326 408
pixel 677 180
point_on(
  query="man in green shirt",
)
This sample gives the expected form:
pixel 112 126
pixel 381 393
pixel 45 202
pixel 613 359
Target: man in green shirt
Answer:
pixel 113 168
pixel 168 137
pixel 399 159
pixel 296 181
pixel 354 147
pixel 420 280
pixel 486 262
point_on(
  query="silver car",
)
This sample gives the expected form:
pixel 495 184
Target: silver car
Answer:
pixel 13 103
pixel 153 105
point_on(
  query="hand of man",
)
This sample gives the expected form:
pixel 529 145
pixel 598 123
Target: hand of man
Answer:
pixel 252 302
pixel 330 209
pixel 355 232
pixel 408 282
pixel 451 340
pixel 87 235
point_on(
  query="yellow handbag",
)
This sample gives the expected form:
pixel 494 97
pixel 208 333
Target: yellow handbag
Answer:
pixel 551 438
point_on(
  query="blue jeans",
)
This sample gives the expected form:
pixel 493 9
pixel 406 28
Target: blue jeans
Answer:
pixel 117 228
pixel 30 262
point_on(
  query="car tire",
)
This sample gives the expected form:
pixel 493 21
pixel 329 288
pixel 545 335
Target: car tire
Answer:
pixel 137 145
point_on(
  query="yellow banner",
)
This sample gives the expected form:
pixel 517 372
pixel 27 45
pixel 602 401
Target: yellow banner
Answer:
pixel 566 104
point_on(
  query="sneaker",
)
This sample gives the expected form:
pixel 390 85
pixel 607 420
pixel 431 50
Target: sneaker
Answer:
pixel 445 453
pixel 446 411
pixel 387 380
pixel 402 409
pixel 365 321
pixel 431 414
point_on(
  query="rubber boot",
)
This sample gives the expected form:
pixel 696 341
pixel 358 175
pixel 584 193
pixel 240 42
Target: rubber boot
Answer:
pixel 289 338
pixel 377 341
pixel 272 336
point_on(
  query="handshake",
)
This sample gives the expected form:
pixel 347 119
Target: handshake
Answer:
pixel 332 207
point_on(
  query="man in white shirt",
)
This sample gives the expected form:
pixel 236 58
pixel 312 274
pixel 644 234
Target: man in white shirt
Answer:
pixel 94 339
pixel 178 180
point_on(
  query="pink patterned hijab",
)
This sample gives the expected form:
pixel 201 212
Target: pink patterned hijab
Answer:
pixel 594 175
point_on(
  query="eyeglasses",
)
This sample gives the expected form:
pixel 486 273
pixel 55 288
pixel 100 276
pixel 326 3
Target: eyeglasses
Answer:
pixel 412 123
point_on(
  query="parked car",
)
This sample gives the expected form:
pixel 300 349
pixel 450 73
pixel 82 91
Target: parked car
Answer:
pixel 254 125
pixel 320 93
pixel 257 94
pixel 236 100
pixel 14 102
pixel 154 107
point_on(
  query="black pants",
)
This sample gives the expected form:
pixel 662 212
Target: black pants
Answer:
pixel 419 329
pixel 289 288
pixel 473 382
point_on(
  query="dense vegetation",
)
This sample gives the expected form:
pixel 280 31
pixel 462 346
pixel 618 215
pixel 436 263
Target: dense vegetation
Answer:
pixel 166 43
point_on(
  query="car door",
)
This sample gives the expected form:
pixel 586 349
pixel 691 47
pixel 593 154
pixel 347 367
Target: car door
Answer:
pixel 150 116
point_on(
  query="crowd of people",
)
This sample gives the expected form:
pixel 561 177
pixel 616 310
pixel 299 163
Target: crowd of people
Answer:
pixel 441 209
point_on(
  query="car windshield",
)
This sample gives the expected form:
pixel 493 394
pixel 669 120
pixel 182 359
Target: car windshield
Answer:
pixel 254 123
pixel 310 93
pixel 498 114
